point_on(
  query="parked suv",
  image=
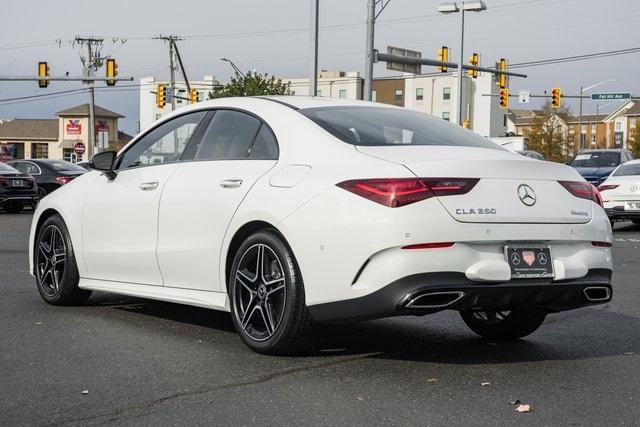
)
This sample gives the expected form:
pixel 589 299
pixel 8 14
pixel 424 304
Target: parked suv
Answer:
pixel 49 174
pixel 17 189
pixel 596 165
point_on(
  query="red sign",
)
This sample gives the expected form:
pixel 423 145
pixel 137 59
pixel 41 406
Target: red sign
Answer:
pixel 79 148
pixel 74 127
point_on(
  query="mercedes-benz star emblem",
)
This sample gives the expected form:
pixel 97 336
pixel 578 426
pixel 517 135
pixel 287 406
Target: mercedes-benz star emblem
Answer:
pixel 526 195
pixel 542 258
pixel 634 188
pixel 515 258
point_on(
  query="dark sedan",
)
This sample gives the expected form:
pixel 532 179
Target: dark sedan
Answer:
pixel 49 174
pixel 17 189
pixel 596 165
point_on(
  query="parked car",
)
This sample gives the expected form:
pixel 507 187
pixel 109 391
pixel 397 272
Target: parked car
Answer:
pixel 292 211
pixel 49 174
pixel 596 165
pixel 17 189
pixel 85 165
pixel 620 192
pixel 532 154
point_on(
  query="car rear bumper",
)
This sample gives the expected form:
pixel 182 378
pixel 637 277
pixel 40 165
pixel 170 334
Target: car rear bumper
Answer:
pixel 27 199
pixel 427 293
pixel 619 213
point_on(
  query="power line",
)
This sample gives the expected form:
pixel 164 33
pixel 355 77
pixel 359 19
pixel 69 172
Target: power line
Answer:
pixel 44 95
pixel 575 58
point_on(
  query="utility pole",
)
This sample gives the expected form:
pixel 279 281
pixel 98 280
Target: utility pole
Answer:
pixel 172 68
pixel 91 61
pixel 460 66
pixel 370 52
pixel 580 122
pixel 313 47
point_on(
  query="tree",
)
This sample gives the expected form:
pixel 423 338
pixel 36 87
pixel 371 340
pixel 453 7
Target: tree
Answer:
pixel 634 141
pixel 548 134
pixel 251 84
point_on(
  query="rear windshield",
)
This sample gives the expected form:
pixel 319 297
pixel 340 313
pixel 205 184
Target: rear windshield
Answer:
pixel 374 126
pixel 596 160
pixel 7 169
pixel 628 169
pixel 64 166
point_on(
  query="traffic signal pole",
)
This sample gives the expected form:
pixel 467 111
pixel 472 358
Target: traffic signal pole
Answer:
pixel 460 67
pixel 369 59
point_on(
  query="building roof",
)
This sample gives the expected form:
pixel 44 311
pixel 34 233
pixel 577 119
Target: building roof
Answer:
pixel 124 137
pixel 634 110
pixel 29 129
pixel 83 110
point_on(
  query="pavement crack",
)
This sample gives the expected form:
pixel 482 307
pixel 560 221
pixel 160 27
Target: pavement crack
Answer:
pixel 142 406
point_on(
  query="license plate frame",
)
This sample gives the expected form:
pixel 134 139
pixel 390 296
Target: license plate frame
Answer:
pixel 17 183
pixel 632 206
pixel 541 266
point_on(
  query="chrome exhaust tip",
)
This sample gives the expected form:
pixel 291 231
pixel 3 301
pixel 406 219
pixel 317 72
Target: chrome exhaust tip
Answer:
pixel 597 293
pixel 432 300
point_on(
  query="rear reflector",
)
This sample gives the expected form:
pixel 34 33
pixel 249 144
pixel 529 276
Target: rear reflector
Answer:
pixel 606 187
pixel 602 244
pixel 397 192
pixel 430 245
pixel 582 190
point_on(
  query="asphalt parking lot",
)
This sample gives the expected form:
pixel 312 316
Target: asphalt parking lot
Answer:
pixel 130 361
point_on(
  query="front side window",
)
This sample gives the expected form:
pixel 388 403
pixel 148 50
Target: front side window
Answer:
pixel 164 144
pixel 228 136
pixel 446 93
pixel 373 126
pixel 419 94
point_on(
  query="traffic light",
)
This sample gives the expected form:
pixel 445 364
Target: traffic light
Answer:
pixel 502 78
pixel 194 96
pixel 112 71
pixel 161 95
pixel 443 56
pixel 556 94
pixel 43 71
pixel 504 98
pixel 474 60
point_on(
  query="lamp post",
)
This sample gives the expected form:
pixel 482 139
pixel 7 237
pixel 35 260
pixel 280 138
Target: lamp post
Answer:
pixel 462 7
pixel 582 91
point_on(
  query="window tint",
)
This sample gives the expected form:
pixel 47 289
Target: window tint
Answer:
pixel 392 126
pixel 22 167
pixel 228 136
pixel 163 144
pixel 265 146
pixel 596 159
pixel 64 166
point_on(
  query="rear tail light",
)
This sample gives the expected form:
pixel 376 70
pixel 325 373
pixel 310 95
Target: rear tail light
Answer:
pixel 63 179
pixel 605 187
pixel 436 245
pixel 602 244
pixel 583 190
pixel 397 192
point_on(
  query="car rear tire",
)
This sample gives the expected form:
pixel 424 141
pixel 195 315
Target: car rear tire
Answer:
pixel 267 297
pixel 504 325
pixel 55 265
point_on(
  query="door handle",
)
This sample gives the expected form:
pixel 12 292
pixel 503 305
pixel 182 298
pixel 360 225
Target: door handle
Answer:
pixel 148 186
pixel 230 183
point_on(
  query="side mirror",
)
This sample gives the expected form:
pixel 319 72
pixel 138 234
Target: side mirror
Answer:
pixel 104 162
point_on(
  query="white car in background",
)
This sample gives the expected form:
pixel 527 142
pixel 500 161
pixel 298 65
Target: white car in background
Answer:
pixel 621 193
pixel 290 211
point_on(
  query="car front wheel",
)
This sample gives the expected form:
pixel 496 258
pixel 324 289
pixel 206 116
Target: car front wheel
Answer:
pixel 267 297
pixel 55 263
pixel 504 324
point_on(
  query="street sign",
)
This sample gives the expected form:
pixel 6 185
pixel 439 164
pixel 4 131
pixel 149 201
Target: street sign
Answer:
pixel 610 96
pixel 406 68
pixel 523 96
pixel 79 148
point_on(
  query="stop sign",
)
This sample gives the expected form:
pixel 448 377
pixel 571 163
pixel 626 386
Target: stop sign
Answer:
pixel 79 148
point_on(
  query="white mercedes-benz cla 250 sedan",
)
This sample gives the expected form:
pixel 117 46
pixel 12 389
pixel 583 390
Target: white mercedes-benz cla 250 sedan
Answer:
pixel 293 211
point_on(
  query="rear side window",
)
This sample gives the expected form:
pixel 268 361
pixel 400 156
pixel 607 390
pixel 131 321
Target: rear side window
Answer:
pixel 375 126
pixel 265 145
pixel 228 136
pixel 628 169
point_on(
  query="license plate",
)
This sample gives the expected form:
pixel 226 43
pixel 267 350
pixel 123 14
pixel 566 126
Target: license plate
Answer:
pixel 529 261
pixel 17 183
pixel 632 206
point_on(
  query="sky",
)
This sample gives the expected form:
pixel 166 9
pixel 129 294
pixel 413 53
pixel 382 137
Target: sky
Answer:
pixel 272 36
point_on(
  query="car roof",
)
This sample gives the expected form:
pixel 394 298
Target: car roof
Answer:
pixel 300 102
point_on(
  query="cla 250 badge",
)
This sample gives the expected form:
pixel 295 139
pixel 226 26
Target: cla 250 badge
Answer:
pixel 478 211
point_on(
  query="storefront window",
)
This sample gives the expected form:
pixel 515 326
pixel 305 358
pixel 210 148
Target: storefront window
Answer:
pixel 39 151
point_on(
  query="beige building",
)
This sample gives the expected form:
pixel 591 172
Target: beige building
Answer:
pixel 56 138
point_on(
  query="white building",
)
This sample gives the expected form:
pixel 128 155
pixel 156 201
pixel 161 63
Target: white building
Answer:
pixel 149 111
pixel 332 84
